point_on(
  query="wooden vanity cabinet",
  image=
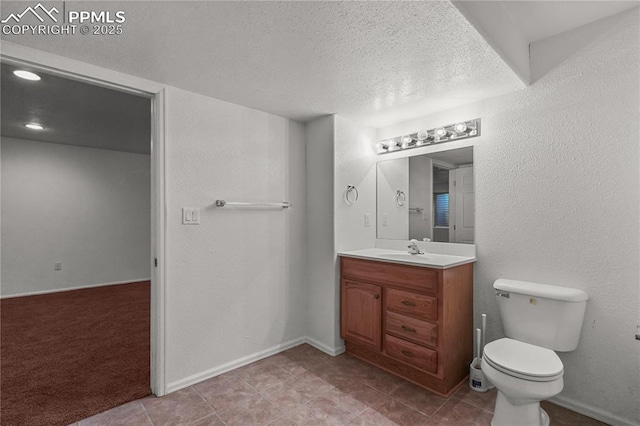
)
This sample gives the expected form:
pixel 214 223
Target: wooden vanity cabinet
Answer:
pixel 415 322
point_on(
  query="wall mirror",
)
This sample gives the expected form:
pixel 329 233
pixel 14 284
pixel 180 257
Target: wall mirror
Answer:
pixel 428 197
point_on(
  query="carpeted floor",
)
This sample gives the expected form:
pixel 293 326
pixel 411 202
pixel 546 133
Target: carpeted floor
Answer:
pixel 66 356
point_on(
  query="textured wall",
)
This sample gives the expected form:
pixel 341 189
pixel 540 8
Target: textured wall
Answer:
pixel 557 194
pixel 355 164
pixel 87 208
pixel 235 283
pixel 322 293
pixel 392 218
pixel 421 193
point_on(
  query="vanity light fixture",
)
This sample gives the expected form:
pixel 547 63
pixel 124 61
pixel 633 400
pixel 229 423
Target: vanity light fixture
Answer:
pixel 27 75
pixel 451 132
pixel 34 126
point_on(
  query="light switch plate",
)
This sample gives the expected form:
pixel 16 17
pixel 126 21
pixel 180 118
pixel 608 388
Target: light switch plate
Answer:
pixel 367 219
pixel 190 216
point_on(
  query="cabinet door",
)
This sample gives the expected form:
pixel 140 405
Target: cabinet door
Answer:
pixel 362 314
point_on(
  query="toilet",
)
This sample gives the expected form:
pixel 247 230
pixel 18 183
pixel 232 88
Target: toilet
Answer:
pixel 538 319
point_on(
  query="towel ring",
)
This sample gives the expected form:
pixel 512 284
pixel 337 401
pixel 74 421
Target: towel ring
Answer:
pixel 401 198
pixel 351 195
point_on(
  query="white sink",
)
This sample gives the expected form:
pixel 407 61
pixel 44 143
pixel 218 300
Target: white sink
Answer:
pixel 405 256
pixel 431 260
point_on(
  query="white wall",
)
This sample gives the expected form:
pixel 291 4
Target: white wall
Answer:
pixel 87 208
pixel 322 292
pixel 235 283
pixel 393 219
pixel 421 195
pixel 355 164
pixel 557 193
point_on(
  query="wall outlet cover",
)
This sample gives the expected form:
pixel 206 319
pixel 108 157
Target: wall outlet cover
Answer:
pixel 190 216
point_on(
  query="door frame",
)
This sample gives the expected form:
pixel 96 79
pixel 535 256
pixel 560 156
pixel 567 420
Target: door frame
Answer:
pixel 15 54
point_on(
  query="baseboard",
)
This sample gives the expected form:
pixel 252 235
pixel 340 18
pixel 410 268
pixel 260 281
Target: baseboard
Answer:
pixel 59 290
pixel 324 348
pixel 216 371
pixel 593 412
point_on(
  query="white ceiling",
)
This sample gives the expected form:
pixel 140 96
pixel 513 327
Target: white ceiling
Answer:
pixel 542 19
pixel 377 62
pixel 74 113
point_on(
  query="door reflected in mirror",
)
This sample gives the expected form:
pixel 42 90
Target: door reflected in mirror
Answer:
pixel 427 197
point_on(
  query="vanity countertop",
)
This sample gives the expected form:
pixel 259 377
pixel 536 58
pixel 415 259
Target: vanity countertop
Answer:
pixel 429 260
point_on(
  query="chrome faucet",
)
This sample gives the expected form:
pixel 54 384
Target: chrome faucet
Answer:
pixel 413 247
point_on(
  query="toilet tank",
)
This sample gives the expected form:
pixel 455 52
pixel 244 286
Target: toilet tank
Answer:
pixel 544 315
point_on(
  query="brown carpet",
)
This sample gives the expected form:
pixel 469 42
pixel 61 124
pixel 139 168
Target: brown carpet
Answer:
pixel 66 356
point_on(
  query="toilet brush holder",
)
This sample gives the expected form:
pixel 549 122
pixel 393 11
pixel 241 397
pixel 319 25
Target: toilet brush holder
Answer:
pixel 477 380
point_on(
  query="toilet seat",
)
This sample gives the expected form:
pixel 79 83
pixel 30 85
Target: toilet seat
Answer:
pixel 523 360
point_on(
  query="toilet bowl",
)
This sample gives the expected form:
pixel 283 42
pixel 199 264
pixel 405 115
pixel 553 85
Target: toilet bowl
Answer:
pixel 524 375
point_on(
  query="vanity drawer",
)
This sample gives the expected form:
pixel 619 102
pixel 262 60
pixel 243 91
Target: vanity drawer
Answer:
pixel 415 305
pixel 422 332
pixel 410 353
pixel 410 277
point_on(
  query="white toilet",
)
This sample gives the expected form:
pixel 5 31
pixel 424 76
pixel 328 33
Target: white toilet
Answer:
pixel 538 319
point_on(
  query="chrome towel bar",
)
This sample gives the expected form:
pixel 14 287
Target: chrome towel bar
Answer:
pixel 223 203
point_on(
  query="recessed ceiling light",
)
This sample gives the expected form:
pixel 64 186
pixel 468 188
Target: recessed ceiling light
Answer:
pixel 34 126
pixel 27 75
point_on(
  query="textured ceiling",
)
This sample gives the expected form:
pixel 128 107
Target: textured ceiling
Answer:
pixel 74 113
pixel 377 62
pixel 538 20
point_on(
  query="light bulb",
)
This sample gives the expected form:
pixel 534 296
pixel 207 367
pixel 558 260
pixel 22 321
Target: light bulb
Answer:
pixel 460 127
pixel 34 126
pixel 423 135
pixel 406 140
pixel 381 147
pixel 441 132
pixel 393 145
pixel 27 75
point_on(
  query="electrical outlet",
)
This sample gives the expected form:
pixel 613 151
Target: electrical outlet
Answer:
pixel 384 219
pixel 367 219
pixel 58 266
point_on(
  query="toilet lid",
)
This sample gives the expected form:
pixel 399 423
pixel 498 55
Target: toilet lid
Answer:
pixel 523 360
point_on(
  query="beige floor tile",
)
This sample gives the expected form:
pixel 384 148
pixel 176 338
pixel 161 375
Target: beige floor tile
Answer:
pixel 484 400
pixel 561 416
pixel 181 407
pixel 222 385
pixel 355 395
pixel 397 413
pixel 418 398
pixel 116 415
pixel 265 376
pixel 250 410
pixel 211 420
pixel 289 394
pixel 456 412
pixel 321 411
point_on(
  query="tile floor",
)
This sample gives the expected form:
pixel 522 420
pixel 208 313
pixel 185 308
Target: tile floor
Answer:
pixel 303 386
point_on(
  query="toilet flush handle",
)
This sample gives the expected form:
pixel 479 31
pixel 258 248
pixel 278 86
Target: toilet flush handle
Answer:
pixel 503 294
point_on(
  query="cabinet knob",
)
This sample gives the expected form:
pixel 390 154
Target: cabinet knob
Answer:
pixel 406 353
pixel 408 329
pixel 408 303
pixel 376 296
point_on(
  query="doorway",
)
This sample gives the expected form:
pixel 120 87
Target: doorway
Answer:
pixel 126 173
